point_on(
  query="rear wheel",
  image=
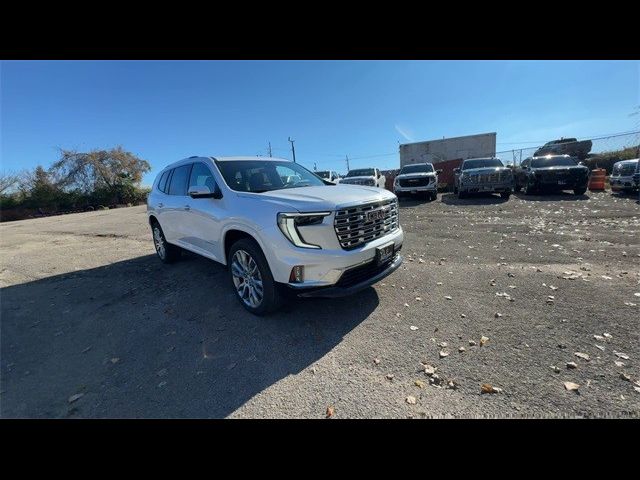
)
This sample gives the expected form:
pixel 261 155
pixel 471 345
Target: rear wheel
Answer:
pixel 434 196
pixel 251 278
pixel 461 194
pixel 505 195
pixel 166 252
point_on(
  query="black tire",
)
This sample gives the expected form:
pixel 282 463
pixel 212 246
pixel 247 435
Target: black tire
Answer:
pixel 517 188
pixel 167 253
pixel 579 191
pixel 527 189
pixel 271 291
pixel 434 196
pixel 505 195
pixel 461 194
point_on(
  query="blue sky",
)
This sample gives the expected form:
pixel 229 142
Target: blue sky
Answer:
pixel 165 111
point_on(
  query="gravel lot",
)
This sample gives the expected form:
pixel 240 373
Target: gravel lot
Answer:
pixel 93 325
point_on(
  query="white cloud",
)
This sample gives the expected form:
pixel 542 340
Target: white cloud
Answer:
pixel 406 135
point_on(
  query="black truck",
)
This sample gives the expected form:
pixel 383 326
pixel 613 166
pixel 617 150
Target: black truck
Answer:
pixel 551 173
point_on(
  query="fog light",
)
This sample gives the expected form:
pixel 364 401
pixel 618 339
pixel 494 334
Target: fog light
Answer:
pixel 297 274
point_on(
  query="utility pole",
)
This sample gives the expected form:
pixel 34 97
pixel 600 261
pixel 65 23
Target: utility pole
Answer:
pixel 315 168
pixel 270 149
pixel 347 158
pixel 293 150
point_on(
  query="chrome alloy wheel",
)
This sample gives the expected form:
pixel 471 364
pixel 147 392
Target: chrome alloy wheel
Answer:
pixel 247 278
pixel 158 240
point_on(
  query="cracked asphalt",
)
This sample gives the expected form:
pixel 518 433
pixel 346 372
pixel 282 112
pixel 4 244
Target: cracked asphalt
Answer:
pixel 94 326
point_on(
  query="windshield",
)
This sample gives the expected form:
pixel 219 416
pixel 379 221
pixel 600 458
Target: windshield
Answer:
pixel 482 163
pixel 323 174
pixel 362 172
pixel 416 169
pixel 263 175
pixel 552 162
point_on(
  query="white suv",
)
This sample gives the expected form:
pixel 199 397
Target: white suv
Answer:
pixel 277 226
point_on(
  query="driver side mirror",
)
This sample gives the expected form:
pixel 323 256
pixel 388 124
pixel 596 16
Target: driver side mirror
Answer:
pixel 438 172
pixel 204 192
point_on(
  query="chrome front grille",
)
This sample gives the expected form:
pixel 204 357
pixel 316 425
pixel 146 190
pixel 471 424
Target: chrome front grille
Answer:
pixel 494 177
pixel 353 229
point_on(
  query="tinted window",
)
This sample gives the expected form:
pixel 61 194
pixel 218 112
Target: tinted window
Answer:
pixel 362 172
pixel 201 176
pixel 553 162
pixel 482 163
pixel 178 183
pixel 417 169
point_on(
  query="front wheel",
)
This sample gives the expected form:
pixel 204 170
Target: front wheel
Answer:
pixel 517 188
pixel 528 189
pixel 505 195
pixel 579 191
pixel 251 278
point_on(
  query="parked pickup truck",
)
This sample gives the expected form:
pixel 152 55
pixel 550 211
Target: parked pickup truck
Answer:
pixel 478 175
pixel 329 175
pixel 551 172
pixel 276 226
pixel 370 177
pixel 621 178
pixel 565 146
pixel 417 178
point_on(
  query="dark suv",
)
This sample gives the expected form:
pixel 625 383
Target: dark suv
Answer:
pixel 551 173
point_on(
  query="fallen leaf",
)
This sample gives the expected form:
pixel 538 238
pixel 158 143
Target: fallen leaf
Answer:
pixel 625 377
pixel 418 299
pixel 443 354
pixel 330 412
pixel 600 338
pixel 571 386
pixel 472 343
pixel 419 383
pixel 448 297
pixel 487 388
pixel 483 340
pixel 619 363
pixel 413 327
pixel 599 347
pixel 443 344
pixel 389 376
pixel 624 356
pixel 462 349
pixel 376 361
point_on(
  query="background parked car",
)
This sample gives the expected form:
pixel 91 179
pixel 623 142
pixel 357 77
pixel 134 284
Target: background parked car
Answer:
pixel 621 178
pixel 565 146
pixel 329 175
pixel 370 177
pixel 551 173
pixel 483 175
pixel 417 178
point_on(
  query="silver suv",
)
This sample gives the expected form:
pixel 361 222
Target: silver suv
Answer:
pixel 277 226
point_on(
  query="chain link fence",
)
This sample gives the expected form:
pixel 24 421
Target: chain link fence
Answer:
pixel 599 152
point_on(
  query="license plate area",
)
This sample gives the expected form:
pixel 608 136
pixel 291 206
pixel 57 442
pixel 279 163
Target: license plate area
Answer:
pixel 562 182
pixel 384 253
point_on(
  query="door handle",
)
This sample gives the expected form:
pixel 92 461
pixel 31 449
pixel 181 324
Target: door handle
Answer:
pixel 187 207
pixel 160 205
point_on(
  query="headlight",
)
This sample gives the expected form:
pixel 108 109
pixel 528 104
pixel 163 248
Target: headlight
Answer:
pixel 288 223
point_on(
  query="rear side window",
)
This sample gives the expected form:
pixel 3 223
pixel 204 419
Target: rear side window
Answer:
pixel 178 182
pixel 163 181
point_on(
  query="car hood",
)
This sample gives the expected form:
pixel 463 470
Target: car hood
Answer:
pixel 315 199
pixel 559 168
pixel 416 175
pixel 365 177
pixel 484 170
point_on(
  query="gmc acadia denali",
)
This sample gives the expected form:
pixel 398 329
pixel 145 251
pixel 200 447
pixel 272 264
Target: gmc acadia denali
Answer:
pixel 276 226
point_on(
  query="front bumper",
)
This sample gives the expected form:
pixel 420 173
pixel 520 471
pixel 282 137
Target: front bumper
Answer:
pixel 322 267
pixel 486 187
pixel 432 187
pixel 623 183
pixel 378 273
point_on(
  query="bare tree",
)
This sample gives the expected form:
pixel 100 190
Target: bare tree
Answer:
pixel 8 180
